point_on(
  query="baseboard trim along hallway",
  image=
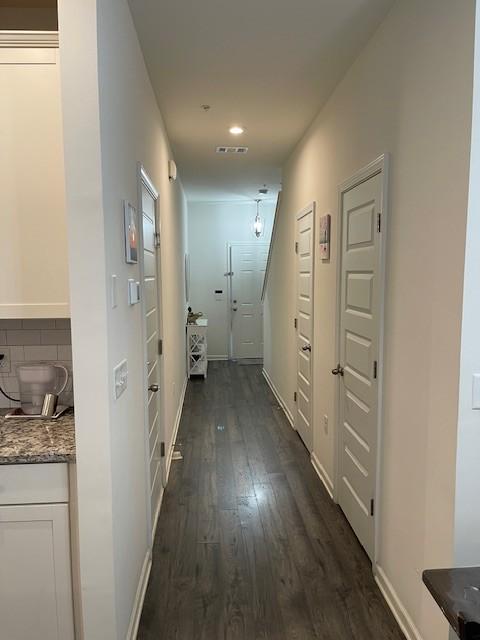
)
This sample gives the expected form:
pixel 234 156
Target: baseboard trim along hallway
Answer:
pixel 140 597
pixel 396 606
pixel 178 419
pixel 279 398
pixel 322 474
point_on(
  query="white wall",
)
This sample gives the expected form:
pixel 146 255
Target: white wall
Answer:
pixel 408 94
pixel 211 226
pixel 111 122
pixel 467 512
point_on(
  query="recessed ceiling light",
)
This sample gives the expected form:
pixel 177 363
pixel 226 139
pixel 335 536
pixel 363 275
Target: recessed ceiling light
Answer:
pixel 236 130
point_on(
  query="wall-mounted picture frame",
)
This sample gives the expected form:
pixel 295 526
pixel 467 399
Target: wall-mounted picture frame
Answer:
pixel 325 237
pixel 131 233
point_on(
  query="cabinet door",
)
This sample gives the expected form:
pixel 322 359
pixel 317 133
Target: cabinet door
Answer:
pixel 35 576
pixel 33 225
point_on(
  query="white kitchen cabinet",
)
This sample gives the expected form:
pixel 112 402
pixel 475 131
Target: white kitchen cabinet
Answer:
pixel 33 232
pixel 35 576
pixel 36 598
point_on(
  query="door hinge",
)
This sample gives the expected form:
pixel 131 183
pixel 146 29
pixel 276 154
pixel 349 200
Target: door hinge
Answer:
pixel 160 347
pixel 372 507
pixel 379 222
pixel 294 396
pixel 296 247
pixel 156 239
pixel 162 449
pixel 295 323
pixel 375 368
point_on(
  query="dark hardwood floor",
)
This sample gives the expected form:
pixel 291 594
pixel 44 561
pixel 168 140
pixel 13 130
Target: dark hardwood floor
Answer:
pixel 249 545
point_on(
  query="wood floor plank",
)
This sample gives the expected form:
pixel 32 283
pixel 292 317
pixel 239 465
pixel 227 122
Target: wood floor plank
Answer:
pixel 249 546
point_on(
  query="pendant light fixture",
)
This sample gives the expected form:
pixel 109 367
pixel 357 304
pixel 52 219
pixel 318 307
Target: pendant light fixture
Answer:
pixel 258 222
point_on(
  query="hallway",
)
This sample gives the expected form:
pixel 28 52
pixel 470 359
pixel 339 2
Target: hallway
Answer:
pixel 249 545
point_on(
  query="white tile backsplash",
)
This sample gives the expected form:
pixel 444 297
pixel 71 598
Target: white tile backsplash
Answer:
pixel 43 340
pixel 38 324
pixel 56 336
pixel 20 337
pixel 42 353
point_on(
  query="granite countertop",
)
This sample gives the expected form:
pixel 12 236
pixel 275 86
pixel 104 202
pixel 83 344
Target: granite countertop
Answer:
pixel 36 441
pixel 457 593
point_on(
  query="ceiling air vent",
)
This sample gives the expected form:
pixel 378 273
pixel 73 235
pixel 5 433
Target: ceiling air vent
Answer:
pixel 231 150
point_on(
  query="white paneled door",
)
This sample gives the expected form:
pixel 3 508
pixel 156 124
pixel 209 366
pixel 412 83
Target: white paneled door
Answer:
pixel 358 370
pixel 304 248
pixel 247 265
pixel 152 310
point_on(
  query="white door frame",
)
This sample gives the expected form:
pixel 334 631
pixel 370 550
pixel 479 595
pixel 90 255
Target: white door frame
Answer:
pixel 230 274
pixel 310 207
pixel 144 179
pixel 378 166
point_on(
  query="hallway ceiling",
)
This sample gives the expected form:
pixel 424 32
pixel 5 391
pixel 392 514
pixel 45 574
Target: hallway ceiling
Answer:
pixel 268 65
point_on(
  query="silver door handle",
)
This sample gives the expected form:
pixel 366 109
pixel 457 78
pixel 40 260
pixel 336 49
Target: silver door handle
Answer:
pixel 307 347
pixel 154 388
pixel 338 371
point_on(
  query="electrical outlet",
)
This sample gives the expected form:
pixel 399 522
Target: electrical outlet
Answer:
pixel 5 361
pixel 120 377
pixel 325 423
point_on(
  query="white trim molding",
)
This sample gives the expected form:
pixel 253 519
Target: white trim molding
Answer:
pixel 322 474
pixel 178 418
pixel 279 398
pixel 140 597
pixel 399 611
pixel 34 39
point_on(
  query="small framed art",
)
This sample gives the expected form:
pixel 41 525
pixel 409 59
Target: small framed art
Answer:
pixel 131 233
pixel 325 237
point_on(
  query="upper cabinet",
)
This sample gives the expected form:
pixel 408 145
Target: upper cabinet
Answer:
pixel 33 234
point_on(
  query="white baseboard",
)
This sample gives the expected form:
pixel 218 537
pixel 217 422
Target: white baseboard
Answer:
pixel 214 358
pixel 178 417
pixel 140 597
pixel 279 398
pixel 399 611
pixel 322 474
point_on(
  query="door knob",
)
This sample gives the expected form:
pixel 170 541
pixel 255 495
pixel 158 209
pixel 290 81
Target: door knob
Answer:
pixel 154 388
pixel 307 347
pixel 338 371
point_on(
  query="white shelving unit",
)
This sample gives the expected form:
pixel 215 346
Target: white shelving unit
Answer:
pixel 197 361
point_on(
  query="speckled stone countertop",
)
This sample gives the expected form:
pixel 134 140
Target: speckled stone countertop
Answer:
pixel 34 441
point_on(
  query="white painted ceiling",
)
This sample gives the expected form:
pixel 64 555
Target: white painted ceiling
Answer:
pixel 268 65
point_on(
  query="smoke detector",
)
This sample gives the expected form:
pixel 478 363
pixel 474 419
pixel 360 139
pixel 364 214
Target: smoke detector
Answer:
pixel 232 150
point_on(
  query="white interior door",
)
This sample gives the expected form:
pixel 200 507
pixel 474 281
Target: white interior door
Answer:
pixel 358 371
pixel 248 262
pixel 152 310
pixel 304 247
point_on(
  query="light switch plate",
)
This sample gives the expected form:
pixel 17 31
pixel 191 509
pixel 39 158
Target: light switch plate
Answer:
pixel 133 291
pixel 476 391
pixel 113 291
pixel 120 378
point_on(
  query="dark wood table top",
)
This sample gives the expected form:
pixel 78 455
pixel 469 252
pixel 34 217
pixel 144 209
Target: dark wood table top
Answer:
pixel 457 593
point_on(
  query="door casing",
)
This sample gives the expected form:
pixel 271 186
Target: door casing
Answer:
pixel 310 208
pixel 144 179
pixel 378 166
